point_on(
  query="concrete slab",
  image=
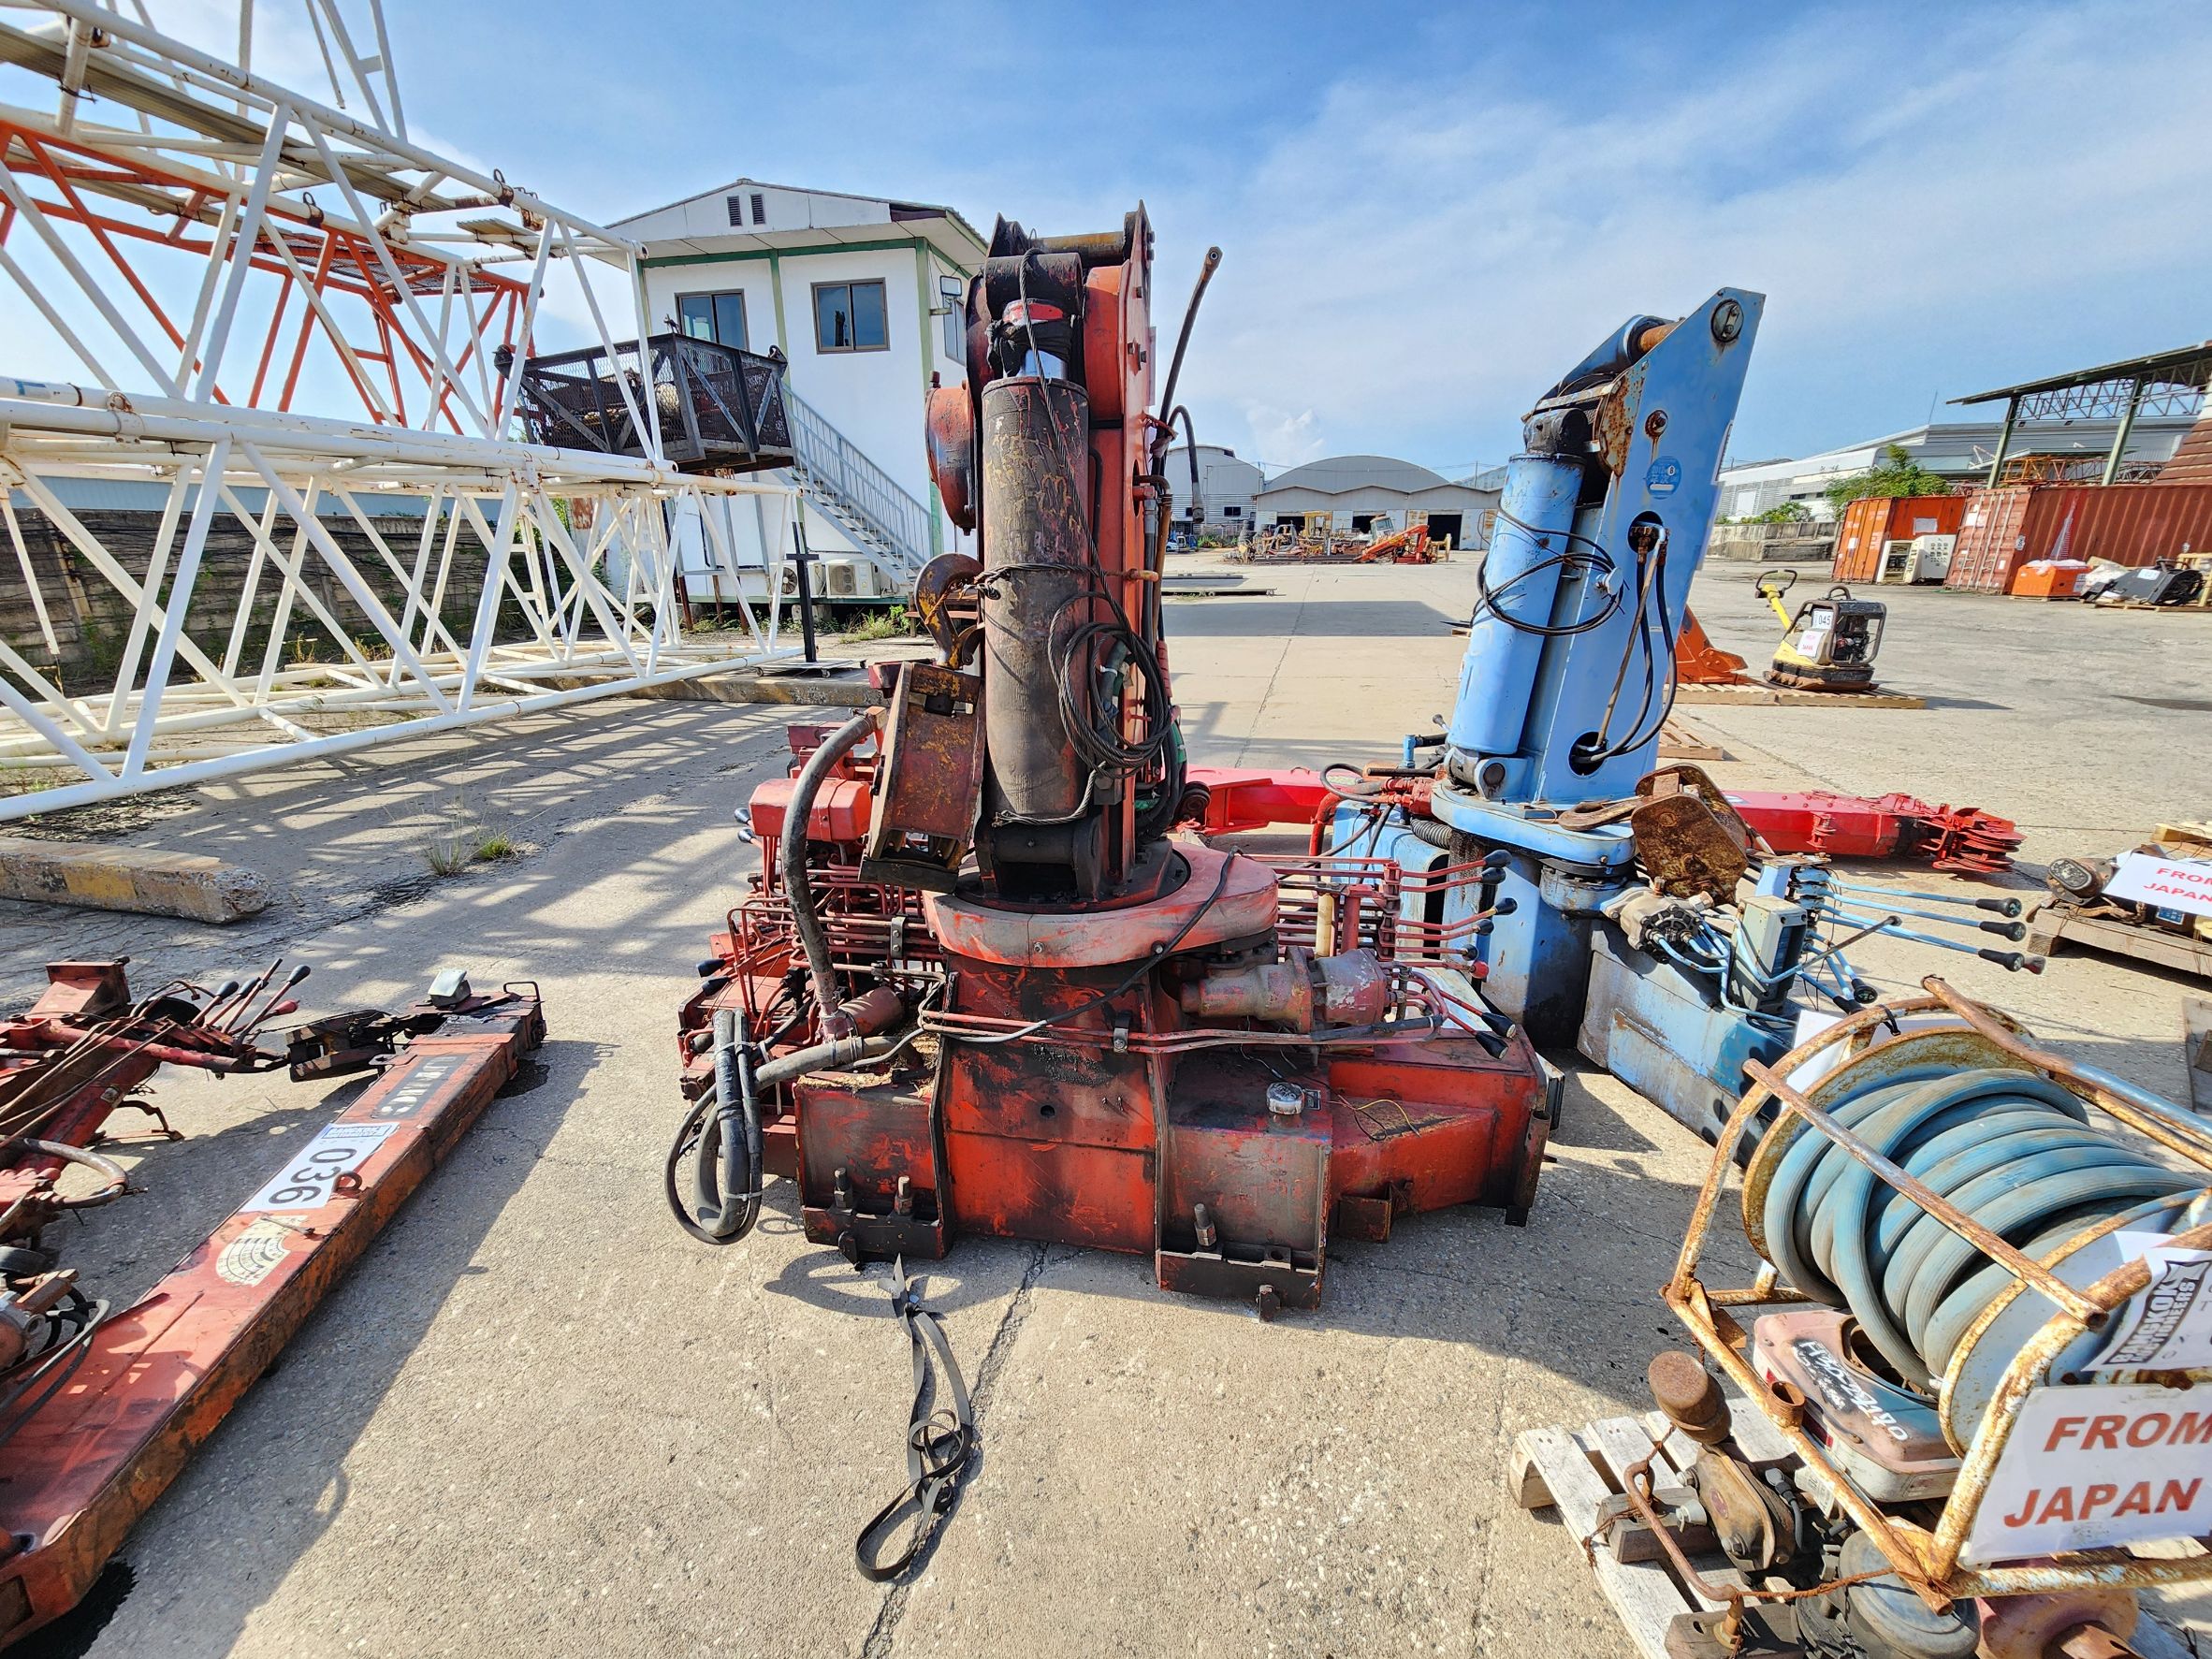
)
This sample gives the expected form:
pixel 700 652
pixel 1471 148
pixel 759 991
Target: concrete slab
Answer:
pixel 539 1421
pixel 145 881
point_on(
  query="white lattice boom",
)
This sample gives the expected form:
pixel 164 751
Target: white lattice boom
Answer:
pixel 288 321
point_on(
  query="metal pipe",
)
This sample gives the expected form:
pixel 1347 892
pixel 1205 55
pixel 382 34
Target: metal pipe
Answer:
pixel 2004 441
pixel 2013 931
pixel 37 406
pixel 2002 906
pixel 2126 427
pixel 118 1182
pixel 255 87
pixel 798 890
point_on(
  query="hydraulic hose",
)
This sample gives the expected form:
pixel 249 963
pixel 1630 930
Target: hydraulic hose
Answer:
pixel 106 1168
pixel 725 1127
pixel 726 1179
pixel 797 890
pixel 2008 1147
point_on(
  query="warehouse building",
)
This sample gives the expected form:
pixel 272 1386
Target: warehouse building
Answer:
pixel 1962 451
pixel 1227 486
pixel 1364 494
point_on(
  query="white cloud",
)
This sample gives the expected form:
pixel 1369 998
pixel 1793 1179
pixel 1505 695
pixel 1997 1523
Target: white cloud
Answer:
pixel 1926 202
pixel 1278 438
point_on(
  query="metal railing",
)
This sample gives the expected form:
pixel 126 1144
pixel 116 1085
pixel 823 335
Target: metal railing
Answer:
pixel 717 407
pixel 855 489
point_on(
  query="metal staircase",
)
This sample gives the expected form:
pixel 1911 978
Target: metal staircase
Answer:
pixel 866 502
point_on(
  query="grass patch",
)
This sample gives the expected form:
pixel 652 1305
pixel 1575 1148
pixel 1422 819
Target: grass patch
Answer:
pixel 463 839
pixel 897 623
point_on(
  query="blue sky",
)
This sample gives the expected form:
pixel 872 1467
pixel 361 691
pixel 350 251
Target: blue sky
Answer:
pixel 1428 211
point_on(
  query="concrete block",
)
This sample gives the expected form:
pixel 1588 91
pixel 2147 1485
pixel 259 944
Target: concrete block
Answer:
pixel 103 876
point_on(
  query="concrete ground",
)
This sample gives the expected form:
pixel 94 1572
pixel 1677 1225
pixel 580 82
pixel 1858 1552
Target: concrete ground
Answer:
pixel 539 1420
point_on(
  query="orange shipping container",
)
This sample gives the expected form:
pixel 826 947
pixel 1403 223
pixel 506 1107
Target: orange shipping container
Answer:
pixel 1872 522
pixel 2130 524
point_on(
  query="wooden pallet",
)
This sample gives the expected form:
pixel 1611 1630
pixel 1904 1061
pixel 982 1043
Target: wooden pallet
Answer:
pixel 2055 925
pixel 1680 741
pixel 1790 696
pixel 1578 1472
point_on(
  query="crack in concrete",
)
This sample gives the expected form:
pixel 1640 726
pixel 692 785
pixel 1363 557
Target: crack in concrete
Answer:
pixel 1267 696
pixel 881 1635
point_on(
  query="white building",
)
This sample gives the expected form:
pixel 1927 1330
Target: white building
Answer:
pixel 1960 451
pixel 1226 487
pixel 1356 494
pixel 863 297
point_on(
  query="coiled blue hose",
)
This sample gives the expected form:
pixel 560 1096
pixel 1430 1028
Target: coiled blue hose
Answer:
pixel 2008 1147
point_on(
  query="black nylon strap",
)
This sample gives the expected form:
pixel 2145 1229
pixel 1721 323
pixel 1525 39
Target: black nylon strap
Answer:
pixel 941 1440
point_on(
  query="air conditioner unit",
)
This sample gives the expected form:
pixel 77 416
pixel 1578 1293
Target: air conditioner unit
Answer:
pixel 841 581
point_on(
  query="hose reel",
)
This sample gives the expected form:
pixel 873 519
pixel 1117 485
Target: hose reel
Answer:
pixel 2011 1149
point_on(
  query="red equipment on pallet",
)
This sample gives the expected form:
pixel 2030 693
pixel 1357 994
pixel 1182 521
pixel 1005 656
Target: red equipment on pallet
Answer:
pixel 1963 839
pixel 1087 1032
pixel 99 1409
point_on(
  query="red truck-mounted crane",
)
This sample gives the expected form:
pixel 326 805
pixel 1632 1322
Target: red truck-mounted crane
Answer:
pixel 978 988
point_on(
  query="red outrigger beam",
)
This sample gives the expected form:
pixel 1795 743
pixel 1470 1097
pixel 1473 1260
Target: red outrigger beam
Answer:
pixel 153 1381
pixel 1964 839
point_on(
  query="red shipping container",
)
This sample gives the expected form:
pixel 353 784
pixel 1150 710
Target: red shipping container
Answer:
pixel 1991 545
pixel 1872 522
pixel 2130 524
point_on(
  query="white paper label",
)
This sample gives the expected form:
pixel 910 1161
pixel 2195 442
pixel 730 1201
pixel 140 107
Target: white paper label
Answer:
pixel 2170 883
pixel 306 1181
pixel 2088 1467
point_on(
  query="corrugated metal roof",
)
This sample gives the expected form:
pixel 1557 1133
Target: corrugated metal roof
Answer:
pixel 1341 474
pixel 962 244
pixel 2192 463
pixel 2185 365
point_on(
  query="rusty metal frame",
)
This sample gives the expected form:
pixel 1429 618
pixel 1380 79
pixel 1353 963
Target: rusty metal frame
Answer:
pixel 1926 1560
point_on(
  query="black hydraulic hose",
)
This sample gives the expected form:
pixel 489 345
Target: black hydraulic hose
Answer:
pixel 798 892
pixel 1206 269
pixel 726 1179
pixel 726 1131
pixel 839 1051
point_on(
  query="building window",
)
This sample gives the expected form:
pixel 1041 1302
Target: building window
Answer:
pixel 1232 511
pixel 952 295
pixel 849 317
pixel 760 209
pixel 736 207
pixel 718 318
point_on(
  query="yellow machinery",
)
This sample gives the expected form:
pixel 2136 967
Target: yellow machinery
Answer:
pixel 1829 643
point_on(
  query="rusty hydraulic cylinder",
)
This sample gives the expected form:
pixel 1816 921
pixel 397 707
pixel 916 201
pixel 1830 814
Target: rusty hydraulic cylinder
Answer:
pixel 1036 550
pixel 1298 991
